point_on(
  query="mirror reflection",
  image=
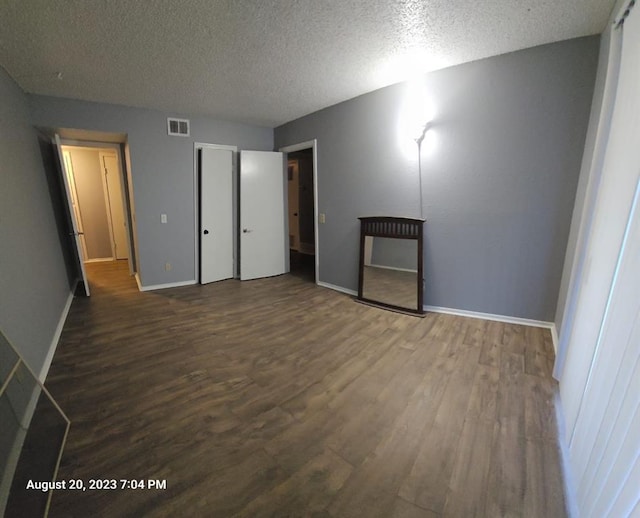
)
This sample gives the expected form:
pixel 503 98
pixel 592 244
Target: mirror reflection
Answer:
pixel 33 431
pixel 391 271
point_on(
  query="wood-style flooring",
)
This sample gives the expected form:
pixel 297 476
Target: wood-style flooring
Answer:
pixel 279 398
pixel 396 287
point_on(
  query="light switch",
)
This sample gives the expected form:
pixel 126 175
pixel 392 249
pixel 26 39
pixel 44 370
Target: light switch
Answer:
pixel 321 217
pixel 163 218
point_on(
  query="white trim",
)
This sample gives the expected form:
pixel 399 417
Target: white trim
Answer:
pixel 571 502
pixel 56 335
pixel 196 203
pixel 383 267
pixel 138 281
pixel 167 285
pixel 490 316
pixel 91 144
pixel 465 313
pixel 336 288
pixel 100 260
pixel 313 144
pixel 554 338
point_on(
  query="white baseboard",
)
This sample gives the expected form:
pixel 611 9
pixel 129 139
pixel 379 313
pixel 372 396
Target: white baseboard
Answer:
pixel 336 288
pixel 56 336
pixel 571 501
pixel 490 316
pixel 100 260
pixel 465 313
pixel 154 287
pixel 392 268
pixel 554 338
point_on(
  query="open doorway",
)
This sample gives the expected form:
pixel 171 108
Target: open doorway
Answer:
pixel 98 195
pixel 302 213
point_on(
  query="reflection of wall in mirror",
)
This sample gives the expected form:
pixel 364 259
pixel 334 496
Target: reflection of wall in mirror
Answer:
pixel 394 254
pixel 368 249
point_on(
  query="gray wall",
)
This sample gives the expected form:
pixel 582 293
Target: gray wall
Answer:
pixel 33 278
pixel 498 188
pixel 87 174
pixel 395 253
pixel 162 170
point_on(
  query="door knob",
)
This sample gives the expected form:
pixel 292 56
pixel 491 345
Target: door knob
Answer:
pixel 206 232
pixel 295 213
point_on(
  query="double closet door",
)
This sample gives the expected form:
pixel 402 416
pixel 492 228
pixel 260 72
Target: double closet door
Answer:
pixel 259 228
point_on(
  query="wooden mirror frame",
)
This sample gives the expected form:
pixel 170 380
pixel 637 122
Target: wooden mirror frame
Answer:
pixel 398 228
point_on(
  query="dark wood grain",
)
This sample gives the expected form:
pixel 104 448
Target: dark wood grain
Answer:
pixel 276 397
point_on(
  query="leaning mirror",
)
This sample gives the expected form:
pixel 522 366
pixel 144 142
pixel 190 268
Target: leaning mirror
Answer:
pixel 391 271
pixel 33 431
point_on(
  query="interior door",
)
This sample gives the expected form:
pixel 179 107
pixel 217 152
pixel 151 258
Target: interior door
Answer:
pixel 115 205
pixel 77 233
pixel 68 163
pixel 216 215
pixel 293 176
pixel 262 220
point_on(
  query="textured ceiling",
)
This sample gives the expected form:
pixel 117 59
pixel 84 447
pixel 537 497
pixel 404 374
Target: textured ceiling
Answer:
pixel 264 61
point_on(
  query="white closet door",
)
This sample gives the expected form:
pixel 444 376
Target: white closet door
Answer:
pixel 611 213
pixel 216 215
pixel 600 382
pixel 262 220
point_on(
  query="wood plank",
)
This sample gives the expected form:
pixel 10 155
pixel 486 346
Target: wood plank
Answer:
pixel 543 490
pixel 306 492
pixel 470 478
pixel 492 345
pixel 427 483
pixel 404 509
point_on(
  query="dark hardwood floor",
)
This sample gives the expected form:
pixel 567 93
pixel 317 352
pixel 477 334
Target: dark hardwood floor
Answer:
pixel 279 398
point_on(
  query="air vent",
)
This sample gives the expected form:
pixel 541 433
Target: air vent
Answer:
pixel 178 127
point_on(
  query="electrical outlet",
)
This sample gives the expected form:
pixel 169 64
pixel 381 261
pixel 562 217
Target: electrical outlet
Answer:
pixel 163 218
pixel 167 267
pixel 322 217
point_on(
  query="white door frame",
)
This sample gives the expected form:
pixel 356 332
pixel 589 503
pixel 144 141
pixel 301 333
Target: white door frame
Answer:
pixel 196 204
pixel 127 205
pixel 313 144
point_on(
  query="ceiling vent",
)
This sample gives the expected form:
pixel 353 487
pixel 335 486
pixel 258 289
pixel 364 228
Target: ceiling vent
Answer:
pixel 178 127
